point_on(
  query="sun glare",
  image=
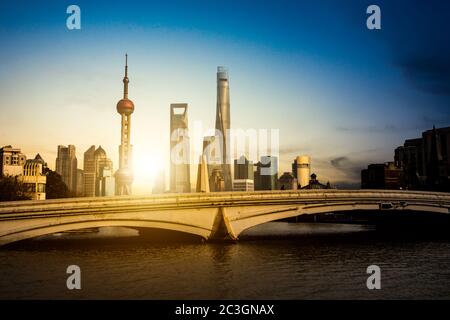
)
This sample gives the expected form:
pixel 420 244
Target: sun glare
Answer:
pixel 146 167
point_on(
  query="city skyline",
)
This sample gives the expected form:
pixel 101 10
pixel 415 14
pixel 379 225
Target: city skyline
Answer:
pixel 246 155
pixel 281 82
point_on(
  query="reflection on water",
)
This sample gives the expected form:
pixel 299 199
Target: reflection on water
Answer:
pixel 277 260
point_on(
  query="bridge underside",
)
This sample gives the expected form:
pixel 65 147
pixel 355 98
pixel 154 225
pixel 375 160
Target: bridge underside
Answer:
pixel 213 221
pixel 40 231
pixel 239 219
pixel 199 222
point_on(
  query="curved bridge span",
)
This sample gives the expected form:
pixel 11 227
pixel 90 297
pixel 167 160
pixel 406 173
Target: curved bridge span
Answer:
pixel 209 215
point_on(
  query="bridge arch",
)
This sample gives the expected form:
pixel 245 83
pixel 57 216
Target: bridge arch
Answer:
pixel 240 219
pixel 41 230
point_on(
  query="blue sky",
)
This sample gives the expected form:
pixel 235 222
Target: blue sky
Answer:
pixel 343 94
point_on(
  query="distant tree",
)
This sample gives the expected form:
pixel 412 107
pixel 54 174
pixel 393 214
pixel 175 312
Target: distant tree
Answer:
pixel 55 188
pixel 12 188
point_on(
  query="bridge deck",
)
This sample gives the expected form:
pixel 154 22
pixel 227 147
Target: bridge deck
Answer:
pixel 224 199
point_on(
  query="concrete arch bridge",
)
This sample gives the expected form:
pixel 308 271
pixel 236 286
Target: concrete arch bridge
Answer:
pixel 222 215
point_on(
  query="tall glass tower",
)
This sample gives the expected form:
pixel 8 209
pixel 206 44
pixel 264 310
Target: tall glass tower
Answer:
pixel 223 123
pixel 180 179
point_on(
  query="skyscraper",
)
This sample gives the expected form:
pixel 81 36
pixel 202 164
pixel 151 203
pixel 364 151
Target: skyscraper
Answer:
pixel 80 183
pixel 98 180
pixel 105 181
pixel 266 175
pixel 243 175
pixel 89 172
pixel 103 173
pixel 180 180
pixel 202 176
pixel 223 123
pixel 216 181
pixel 436 146
pixel 125 107
pixel 243 168
pixel 66 166
pixel 211 153
pixel 425 161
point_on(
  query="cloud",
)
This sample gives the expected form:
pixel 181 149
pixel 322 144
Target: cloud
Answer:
pixel 351 169
pixel 339 161
pixel 294 151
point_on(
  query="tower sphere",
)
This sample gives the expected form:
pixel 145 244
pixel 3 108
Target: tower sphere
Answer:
pixel 125 175
pixel 125 106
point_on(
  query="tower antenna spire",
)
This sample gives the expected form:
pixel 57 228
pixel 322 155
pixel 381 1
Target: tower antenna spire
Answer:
pixel 125 78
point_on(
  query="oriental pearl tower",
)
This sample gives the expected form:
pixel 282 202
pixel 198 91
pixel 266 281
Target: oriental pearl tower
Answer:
pixel 125 107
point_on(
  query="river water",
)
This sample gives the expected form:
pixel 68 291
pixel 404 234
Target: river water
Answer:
pixel 277 260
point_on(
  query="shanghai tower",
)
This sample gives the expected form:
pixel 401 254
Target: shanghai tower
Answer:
pixel 223 123
pixel 125 107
